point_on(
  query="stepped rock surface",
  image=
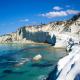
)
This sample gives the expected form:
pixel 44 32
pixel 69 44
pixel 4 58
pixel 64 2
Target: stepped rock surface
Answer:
pixel 68 68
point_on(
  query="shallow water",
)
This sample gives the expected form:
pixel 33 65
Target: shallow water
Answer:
pixel 11 55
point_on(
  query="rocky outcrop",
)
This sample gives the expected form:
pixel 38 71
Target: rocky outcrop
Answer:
pixel 37 57
pixel 6 38
pixel 23 34
pixel 35 35
pixel 68 68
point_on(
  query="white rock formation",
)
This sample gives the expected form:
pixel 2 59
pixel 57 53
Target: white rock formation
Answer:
pixel 69 66
pixel 46 32
pixel 37 57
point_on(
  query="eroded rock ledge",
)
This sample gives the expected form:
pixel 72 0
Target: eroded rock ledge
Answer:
pixel 68 68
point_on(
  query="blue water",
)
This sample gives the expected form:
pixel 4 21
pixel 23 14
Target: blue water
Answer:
pixel 11 55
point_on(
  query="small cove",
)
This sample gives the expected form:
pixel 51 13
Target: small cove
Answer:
pixel 12 54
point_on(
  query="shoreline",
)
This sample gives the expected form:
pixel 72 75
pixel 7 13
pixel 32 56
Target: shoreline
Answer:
pixel 65 68
pixel 34 43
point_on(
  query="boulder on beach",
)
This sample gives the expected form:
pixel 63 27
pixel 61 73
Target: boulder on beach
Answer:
pixel 37 57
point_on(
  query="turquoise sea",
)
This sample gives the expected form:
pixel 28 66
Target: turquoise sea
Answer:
pixel 11 55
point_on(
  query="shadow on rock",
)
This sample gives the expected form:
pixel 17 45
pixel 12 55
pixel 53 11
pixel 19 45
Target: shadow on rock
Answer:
pixel 53 75
pixel 77 77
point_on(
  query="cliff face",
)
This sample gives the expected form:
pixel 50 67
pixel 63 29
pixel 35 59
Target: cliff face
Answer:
pixel 25 34
pixel 36 35
pixel 68 68
pixel 44 33
pixel 8 38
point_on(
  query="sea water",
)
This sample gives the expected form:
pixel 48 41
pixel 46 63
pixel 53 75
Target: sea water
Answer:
pixel 12 56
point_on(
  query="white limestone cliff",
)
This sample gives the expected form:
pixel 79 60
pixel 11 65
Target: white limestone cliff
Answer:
pixel 68 68
pixel 46 32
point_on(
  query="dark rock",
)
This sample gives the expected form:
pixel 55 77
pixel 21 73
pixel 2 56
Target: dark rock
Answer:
pixel 53 75
pixel 77 77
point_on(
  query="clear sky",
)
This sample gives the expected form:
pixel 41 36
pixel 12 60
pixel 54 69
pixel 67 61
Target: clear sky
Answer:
pixel 17 13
